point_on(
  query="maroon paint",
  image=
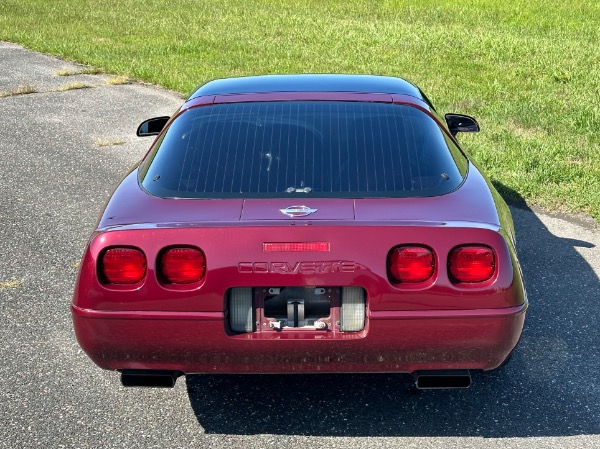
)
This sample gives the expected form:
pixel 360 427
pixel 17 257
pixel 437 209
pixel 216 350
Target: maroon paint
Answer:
pixel 435 324
pixel 198 343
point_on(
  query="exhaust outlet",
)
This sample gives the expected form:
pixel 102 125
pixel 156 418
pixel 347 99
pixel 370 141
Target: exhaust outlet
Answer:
pixel 435 380
pixel 149 378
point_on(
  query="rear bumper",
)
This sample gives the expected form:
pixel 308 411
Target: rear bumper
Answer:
pixel 393 341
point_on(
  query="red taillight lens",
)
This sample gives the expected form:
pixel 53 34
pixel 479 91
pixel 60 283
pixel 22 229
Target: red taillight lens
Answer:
pixel 472 264
pixel 123 266
pixel 411 264
pixel 182 265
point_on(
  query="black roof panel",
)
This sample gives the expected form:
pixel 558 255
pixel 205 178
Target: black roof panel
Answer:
pixel 308 83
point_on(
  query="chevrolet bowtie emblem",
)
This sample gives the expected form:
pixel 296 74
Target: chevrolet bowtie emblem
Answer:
pixel 297 211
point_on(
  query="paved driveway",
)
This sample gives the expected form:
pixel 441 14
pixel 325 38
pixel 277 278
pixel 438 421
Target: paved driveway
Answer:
pixel 62 150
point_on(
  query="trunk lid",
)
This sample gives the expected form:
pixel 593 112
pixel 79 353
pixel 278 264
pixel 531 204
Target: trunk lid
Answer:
pixel 472 202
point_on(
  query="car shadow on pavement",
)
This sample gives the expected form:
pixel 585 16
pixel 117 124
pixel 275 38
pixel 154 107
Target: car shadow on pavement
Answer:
pixel 551 387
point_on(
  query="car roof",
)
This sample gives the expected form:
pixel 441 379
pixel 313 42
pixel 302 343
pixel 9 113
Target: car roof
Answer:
pixel 309 83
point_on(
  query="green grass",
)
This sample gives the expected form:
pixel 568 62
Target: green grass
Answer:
pixel 529 70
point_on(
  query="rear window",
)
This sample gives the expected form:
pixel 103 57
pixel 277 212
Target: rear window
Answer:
pixel 303 149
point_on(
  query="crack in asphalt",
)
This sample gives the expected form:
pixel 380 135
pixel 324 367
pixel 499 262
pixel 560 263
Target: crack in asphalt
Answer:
pixel 32 90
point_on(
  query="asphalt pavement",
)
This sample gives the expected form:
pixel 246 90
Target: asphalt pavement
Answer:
pixel 63 150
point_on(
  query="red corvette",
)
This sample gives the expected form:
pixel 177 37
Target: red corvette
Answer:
pixel 302 223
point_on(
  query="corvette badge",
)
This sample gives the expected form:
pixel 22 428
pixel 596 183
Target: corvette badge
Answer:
pixel 297 211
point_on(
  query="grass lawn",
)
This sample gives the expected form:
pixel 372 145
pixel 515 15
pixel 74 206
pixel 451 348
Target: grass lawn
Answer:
pixel 529 70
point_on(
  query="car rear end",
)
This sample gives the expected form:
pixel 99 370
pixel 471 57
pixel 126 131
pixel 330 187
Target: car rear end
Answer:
pixel 318 298
pixel 261 242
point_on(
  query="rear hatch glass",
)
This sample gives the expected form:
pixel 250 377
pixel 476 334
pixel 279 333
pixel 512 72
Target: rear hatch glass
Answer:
pixel 316 149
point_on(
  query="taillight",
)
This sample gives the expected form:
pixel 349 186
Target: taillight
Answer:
pixel 411 264
pixel 471 264
pixel 123 266
pixel 182 265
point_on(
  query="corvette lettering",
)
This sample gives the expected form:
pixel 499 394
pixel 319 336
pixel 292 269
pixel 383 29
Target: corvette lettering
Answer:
pixel 298 267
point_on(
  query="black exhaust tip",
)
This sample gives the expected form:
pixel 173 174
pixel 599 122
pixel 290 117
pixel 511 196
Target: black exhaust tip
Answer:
pixel 149 378
pixel 434 380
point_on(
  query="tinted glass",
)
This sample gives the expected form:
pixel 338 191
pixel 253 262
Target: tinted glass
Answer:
pixel 313 149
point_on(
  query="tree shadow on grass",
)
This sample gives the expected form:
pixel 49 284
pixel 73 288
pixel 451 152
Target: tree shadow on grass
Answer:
pixel 551 387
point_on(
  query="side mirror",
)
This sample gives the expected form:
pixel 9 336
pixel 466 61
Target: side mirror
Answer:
pixel 152 126
pixel 458 123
